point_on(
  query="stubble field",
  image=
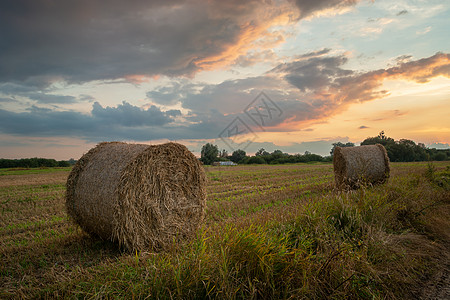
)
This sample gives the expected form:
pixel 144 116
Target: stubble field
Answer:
pixel 270 232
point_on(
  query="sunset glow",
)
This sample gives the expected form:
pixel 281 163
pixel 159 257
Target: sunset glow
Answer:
pixel 73 74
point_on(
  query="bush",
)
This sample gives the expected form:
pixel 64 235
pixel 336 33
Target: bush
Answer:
pixel 256 160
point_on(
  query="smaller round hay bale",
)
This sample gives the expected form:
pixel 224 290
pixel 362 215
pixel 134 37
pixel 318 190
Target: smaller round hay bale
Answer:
pixel 355 166
pixel 141 196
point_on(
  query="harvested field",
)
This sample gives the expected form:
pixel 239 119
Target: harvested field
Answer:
pixel 270 232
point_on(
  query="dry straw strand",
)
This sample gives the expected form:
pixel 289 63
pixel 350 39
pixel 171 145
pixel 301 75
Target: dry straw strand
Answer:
pixel 142 196
pixel 355 166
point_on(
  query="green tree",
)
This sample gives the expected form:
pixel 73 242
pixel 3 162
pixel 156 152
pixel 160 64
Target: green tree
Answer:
pixel 209 153
pixel 223 153
pixel 63 163
pixel 238 155
pixel 256 160
pixel 262 152
pixel 402 150
pixel 339 144
pixel 380 139
pixel 440 156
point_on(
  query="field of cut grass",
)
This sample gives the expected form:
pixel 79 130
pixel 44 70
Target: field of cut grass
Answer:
pixel 23 171
pixel 272 232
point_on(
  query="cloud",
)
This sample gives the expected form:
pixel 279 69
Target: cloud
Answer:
pixel 49 98
pixel 361 87
pixel 439 146
pixel 308 7
pixel 40 96
pixel 314 73
pixel 424 31
pixel 403 58
pixel 44 42
pixel 85 40
pixel 6 99
pixel 402 12
pixel 128 115
pixel 254 57
pixel 307 90
pixel 363 127
pixel 171 93
pixel 388 115
pixel 420 71
pixel 103 122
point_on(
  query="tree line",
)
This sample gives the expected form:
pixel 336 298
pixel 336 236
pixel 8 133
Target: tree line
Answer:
pixel 402 150
pixel 210 153
pixel 405 150
pixel 34 163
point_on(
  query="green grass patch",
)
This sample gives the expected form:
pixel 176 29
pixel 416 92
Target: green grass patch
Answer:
pixel 22 171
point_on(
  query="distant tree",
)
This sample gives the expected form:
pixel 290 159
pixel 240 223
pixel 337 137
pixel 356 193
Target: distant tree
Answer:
pixel 34 162
pixel 339 144
pixel 238 155
pixel 277 154
pixel 312 157
pixel 262 152
pixel 209 153
pixel 402 150
pixel 256 160
pixel 380 139
pixel 440 156
pixel 63 163
pixel 223 153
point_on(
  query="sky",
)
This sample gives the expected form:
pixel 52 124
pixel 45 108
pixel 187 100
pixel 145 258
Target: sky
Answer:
pixel 294 75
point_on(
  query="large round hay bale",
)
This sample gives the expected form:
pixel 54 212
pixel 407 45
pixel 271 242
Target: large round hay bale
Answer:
pixel 142 196
pixel 354 166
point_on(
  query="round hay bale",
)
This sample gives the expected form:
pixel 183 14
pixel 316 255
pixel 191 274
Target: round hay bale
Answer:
pixel 354 166
pixel 142 196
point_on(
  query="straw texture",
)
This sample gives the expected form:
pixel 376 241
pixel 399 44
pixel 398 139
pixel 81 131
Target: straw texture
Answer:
pixel 355 166
pixel 138 195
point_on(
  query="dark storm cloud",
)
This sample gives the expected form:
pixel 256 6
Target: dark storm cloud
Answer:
pixel 363 127
pixel 86 40
pixel 402 12
pixel 78 41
